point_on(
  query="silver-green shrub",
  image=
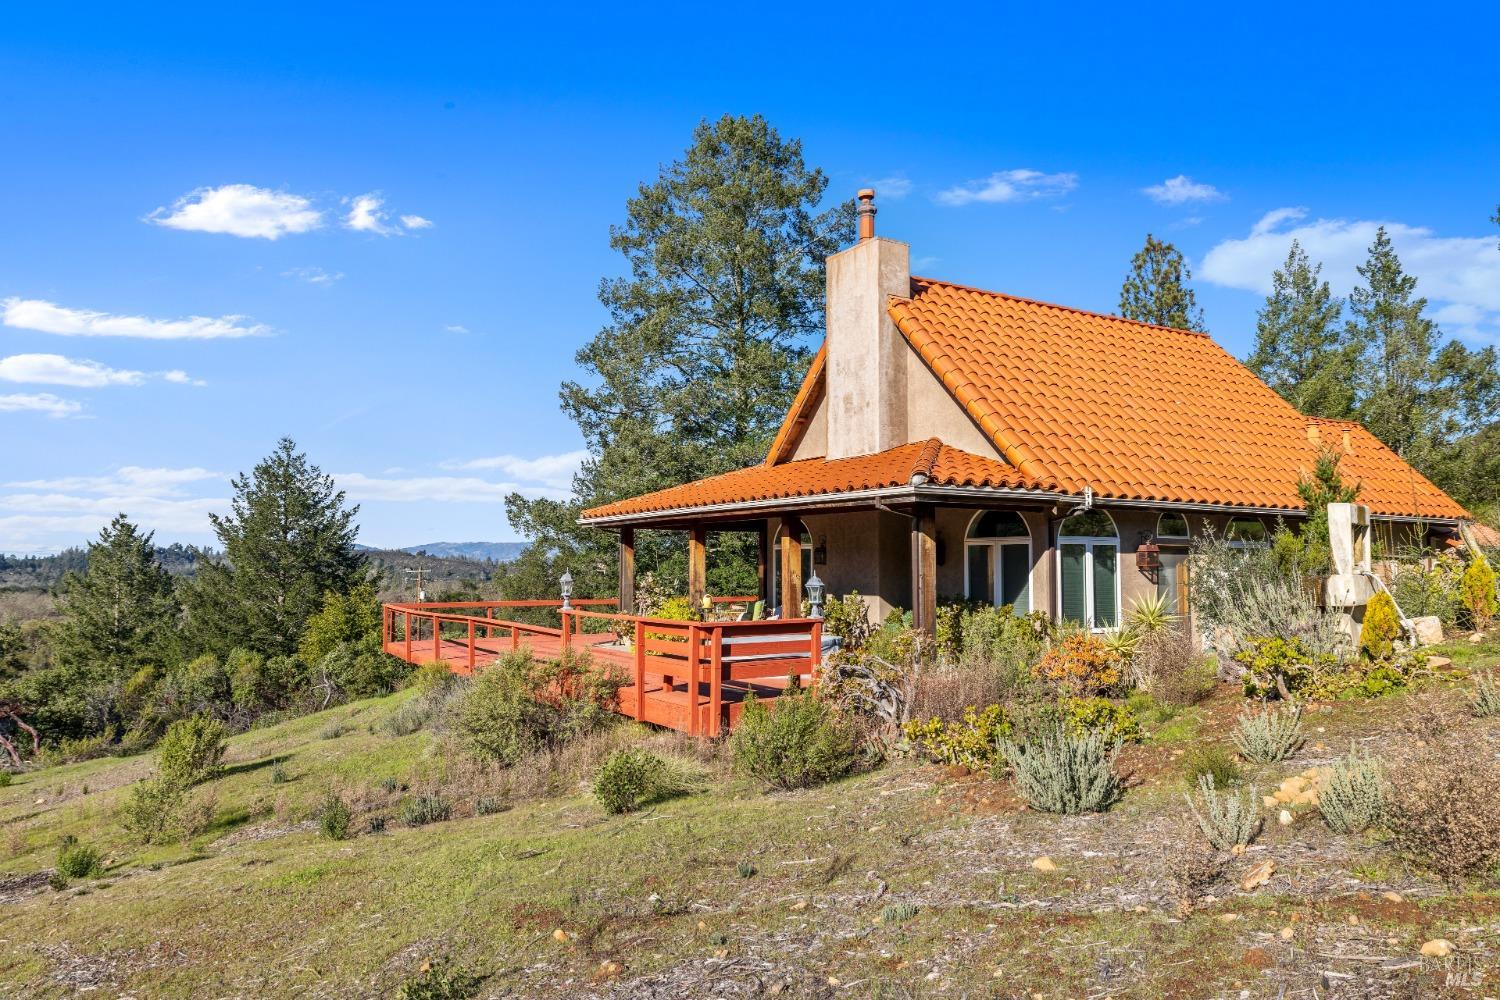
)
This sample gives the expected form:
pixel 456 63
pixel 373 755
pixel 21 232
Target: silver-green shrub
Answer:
pixel 1229 819
pixel 1486 703
pixel 1353 799
pixel 1063 773
pixel 1270 735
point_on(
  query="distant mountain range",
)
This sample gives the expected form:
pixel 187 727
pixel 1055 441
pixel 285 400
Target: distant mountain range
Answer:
pixel 492 551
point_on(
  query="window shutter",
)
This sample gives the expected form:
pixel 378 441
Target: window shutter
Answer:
pixel 1073 603
pixel 1015 575
pixel 1106 615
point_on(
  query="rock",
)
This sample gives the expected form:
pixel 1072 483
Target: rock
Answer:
pixel 798 906
pixel 1394 897
pixel 1044 864
pixel 1353 920
pixel 1285 817
pixel 1439 663
pixel 1287 934
pixel 1259 875
pixel 1476 638
pixel 1437 948
pixel 1237 850
pixel 1270 801
pixel 560 935
pixel 1428 630
pixel 1228 918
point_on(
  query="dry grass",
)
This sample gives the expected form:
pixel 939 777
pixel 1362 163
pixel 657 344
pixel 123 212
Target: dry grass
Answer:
pixel 1444 798
pixel 1168 665
pixel 1190 866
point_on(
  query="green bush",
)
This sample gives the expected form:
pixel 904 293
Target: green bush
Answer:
pixel 75 860
pixel 6 778
pixel 419 810
pixel 1229 820
pixel 191 752
pixel 1059 772
pixel 631 779
pixel 1216 762
pixel 970 742
pixel 441 981
pixel 1380 629
pixel 519 706
pixel 153 810
pixel 1281 668
pixel 1353 798
pixel 1089 715
pixel 1421 591
pixel 334 818
pixel 795 742
pixel 1268 736
pixel 1486 700
pixel 1478 591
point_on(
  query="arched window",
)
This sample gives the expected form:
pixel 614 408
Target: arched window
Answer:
pixel 1243 531
pixel 1088 577
pixel 1171 526
pixel 774 557
pixel 997 560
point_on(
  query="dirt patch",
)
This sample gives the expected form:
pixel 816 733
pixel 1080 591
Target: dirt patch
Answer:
pixel 19 887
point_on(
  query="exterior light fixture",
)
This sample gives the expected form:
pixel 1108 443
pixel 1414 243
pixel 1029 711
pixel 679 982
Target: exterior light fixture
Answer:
pixel 815 588
pixel 820 551
pixel 566 583
pixel 1148 557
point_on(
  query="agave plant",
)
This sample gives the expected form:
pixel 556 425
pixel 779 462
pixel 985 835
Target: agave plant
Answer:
pixel 1121 643
pixel 1149 614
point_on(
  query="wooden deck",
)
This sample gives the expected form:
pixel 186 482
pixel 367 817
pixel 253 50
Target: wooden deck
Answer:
pixel 690 676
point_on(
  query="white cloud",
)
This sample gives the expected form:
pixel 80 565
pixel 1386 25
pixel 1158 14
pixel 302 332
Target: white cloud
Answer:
pixel 456 328
pixel 39 402
pixel 1459 274
pixel 1181 190
pixel 313 275
pixel 240 210
pixel 891 188
pixel 48 317
pixel 367 215
pixel 134 480
pixel 1008 186
pixel 416 222
pixel 181 377
pixel 46 515
pixel 435 489
pixel 54 369
pixel 555 471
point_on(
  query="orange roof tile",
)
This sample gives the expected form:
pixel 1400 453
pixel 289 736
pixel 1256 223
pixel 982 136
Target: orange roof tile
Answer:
pixel 814 477
pixel 1135 411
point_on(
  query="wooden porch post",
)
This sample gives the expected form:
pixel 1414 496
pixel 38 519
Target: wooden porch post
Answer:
pixel 697 567
pixel 627 572
pixel 924 569
pixel 791 568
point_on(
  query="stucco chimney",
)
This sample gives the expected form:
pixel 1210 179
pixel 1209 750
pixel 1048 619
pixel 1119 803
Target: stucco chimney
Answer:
pixel 866 373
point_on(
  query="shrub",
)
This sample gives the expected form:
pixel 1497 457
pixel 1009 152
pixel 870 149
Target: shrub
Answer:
pixel 334 817
pixel 153 809
pixel 847 618
pixel 1420 590
pixel 1486 701
pixel 1269 735
pixel 1441 808
pixel 519 706
pixel 1149 615
pixel 1062 773
pixel 1079 665
pixel 431 676
pixel 279 773
pixel 1353 798
pixel 1190 868
pixel 1227 820
pixel 1168 665
pixel 1088 715
pixel 746 869
pixel 1276 667
pixel 1380 629
pixel 796 741
pixel 896 914
pixel 969 742
pixel 351 618
pixel 419 810
pixel 75 860
pixel 1478 592
pixel 1215 762
pixel 630 779
pixel 441 981
pixel 6 778
pixel 191 751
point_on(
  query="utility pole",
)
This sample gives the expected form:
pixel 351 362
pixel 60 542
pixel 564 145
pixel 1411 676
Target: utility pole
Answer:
pixel 409 573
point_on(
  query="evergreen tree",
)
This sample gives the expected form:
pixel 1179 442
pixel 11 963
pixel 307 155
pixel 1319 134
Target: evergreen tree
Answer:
pixel 287 543
pixel 1299 344
pixel 120 614
pixel 1425 399
pixel 1323 487
pixel 1156 289
pixel 707 342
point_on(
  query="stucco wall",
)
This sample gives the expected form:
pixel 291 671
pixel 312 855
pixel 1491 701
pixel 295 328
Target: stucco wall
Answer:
pixel 932 412
pixel 814 440
pixel 869 551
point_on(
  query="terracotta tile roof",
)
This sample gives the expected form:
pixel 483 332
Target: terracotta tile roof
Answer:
pixel 813 477
pixel 1136 411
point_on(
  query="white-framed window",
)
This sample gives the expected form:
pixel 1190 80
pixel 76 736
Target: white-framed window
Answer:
pixel 1172 527
pixel 1088 570
pixel 1244 532
pixel 775 559
pixel 997 560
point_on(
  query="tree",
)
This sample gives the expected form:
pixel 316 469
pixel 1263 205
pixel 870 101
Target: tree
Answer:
pixel 1323 487
pixel 1156 289
pixel 287 543
pixel 1299 344
pixel 120 614
pixel 1425 399
pixel 707 342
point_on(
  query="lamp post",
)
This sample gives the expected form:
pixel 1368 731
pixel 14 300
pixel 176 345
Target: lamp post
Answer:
pixel 566 582
pixel 815 590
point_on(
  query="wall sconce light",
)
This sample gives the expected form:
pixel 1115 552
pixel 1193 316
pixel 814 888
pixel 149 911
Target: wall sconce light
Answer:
pixel 820 551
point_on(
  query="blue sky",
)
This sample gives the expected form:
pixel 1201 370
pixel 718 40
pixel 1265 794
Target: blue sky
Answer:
pixel 150 157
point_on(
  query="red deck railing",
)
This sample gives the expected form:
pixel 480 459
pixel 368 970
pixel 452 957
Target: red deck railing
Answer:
pixel 693 676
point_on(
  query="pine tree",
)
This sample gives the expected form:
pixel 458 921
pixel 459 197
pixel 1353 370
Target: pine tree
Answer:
pixel 121 613
pixel 1425 399
pixel 1323 487
pixel 1156 289
pixel 1299 343
pixel 707 342
pixel 288 542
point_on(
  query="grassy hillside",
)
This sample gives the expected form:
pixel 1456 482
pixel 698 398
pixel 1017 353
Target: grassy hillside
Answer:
pixel 908 881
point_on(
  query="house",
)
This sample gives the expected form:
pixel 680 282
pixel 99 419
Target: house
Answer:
pixel 953 442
